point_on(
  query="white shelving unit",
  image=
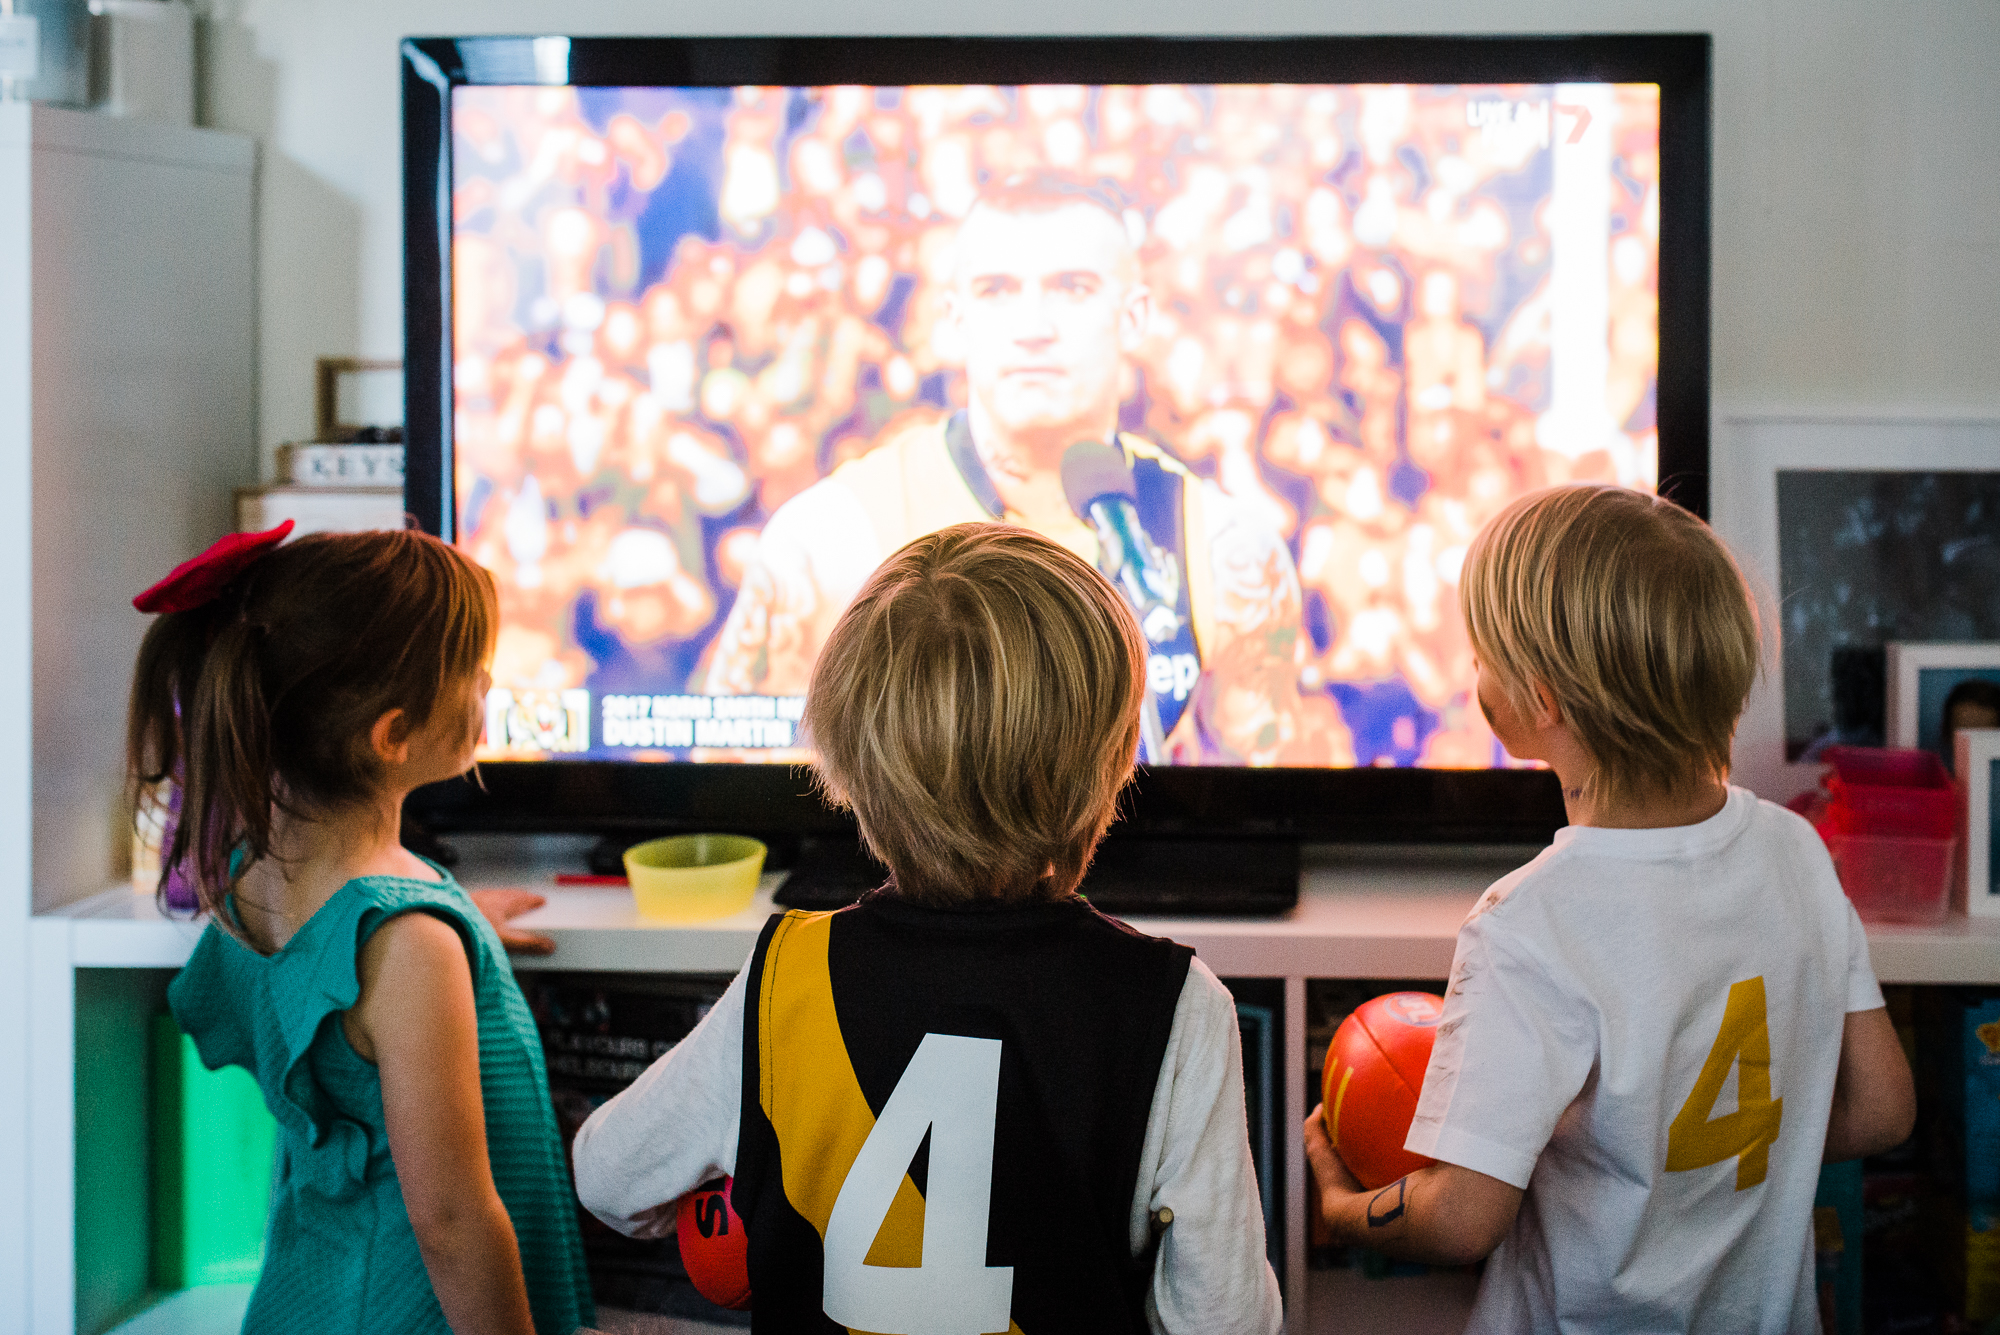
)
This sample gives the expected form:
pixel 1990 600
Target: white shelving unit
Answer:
pixel 1362 914
pixel 127 381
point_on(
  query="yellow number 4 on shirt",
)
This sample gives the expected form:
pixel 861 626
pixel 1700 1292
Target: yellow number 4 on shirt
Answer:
pixel 1696 1140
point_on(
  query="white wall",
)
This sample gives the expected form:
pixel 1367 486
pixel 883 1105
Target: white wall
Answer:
pixel 1857 209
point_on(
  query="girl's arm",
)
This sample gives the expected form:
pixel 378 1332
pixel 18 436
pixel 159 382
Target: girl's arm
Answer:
pixel 416 1021
pixel 1442 1214
pixel 1874 1100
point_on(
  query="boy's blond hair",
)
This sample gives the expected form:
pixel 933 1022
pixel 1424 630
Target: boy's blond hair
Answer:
pixel 977 706
pixel 1631 613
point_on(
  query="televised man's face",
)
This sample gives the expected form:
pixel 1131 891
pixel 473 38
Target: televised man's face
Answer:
pixel 1043 307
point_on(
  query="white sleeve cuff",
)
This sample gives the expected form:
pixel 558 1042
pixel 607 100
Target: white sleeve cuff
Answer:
pixel 1863 993
pixel 1455 1146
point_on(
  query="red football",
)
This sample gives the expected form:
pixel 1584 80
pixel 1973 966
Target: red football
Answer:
pixel 1374 1071
pixel 713 1247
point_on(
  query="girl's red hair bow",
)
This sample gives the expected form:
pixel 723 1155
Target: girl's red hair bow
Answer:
pixel 200 579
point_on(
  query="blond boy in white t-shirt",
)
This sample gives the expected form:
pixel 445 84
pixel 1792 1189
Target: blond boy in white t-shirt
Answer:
pixel 1659 1029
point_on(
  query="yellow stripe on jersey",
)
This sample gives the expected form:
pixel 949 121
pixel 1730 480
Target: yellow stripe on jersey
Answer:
pixel 811 1096
pixel 810 1093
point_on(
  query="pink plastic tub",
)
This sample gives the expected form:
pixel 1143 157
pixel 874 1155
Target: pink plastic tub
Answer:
pixel 1892 879
pixel 1881 791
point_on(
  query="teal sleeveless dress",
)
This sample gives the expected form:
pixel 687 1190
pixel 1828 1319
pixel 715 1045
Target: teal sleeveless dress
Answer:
pixel 340 1255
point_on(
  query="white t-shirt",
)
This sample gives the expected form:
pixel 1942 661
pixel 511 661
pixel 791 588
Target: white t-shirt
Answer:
pixel 1582 1055
pixel 676 1126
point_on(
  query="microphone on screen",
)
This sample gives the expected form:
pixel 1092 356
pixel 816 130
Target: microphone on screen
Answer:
pixel 1099 487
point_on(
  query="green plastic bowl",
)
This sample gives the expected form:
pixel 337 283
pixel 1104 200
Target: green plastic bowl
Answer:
pixel 694 877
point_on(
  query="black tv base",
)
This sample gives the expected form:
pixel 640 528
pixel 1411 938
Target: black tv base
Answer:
pixel 1161 877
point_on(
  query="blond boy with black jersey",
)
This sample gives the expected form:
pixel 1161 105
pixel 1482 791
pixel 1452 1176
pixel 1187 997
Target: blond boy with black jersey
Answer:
pixel 970 1102
pixel 1657 1030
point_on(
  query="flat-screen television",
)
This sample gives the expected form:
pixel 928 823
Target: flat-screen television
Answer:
pixel 700 330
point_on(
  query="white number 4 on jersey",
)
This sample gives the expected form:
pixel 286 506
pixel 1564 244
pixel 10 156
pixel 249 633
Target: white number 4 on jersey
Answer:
pixel 951 1089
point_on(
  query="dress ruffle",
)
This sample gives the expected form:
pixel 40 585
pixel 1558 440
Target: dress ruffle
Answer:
pixel 304 987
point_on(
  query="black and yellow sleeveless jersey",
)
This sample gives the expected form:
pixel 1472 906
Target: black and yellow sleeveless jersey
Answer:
pixel 943 1113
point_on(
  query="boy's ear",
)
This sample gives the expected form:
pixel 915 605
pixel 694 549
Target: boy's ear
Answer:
pixel 1548 711
pixel 389 738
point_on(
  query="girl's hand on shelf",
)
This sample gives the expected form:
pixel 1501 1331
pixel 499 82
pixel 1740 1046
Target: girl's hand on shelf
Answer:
pixel 500 907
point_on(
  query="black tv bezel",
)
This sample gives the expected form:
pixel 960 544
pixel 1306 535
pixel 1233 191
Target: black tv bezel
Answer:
pixel 1334 805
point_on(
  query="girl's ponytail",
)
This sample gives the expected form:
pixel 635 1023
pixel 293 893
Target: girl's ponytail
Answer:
pixel 226 804
pixel 199 718
pixel 170 654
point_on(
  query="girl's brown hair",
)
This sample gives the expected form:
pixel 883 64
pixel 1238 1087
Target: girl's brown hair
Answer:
pixel 262 700
pixel 977 706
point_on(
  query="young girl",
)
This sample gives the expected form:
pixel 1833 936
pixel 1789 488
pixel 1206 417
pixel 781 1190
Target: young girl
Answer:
pixel 299 693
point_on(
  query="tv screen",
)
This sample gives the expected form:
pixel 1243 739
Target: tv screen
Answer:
pixel 1267 351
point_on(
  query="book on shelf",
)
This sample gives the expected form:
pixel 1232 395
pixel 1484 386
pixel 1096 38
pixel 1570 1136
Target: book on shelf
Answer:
pixel 329 464
pixel 319 509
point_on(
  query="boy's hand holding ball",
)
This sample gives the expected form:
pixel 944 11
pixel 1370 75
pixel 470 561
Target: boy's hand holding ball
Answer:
pixel 1374 1072
pixel 1330 1173
pixel 1372 1191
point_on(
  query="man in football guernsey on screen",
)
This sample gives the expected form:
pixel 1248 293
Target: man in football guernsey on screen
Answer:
pixel 1045 303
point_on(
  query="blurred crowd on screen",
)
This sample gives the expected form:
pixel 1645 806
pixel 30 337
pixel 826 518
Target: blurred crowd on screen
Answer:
pixel 676 308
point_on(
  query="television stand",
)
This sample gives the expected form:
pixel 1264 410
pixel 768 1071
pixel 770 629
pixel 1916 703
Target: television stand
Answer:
pixel 1154 877
pixel 830 874
pixel 1194 878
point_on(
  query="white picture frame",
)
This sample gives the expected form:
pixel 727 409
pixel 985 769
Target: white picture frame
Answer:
pixel 1907 662
pixel 1977 758
pixel 1748 452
